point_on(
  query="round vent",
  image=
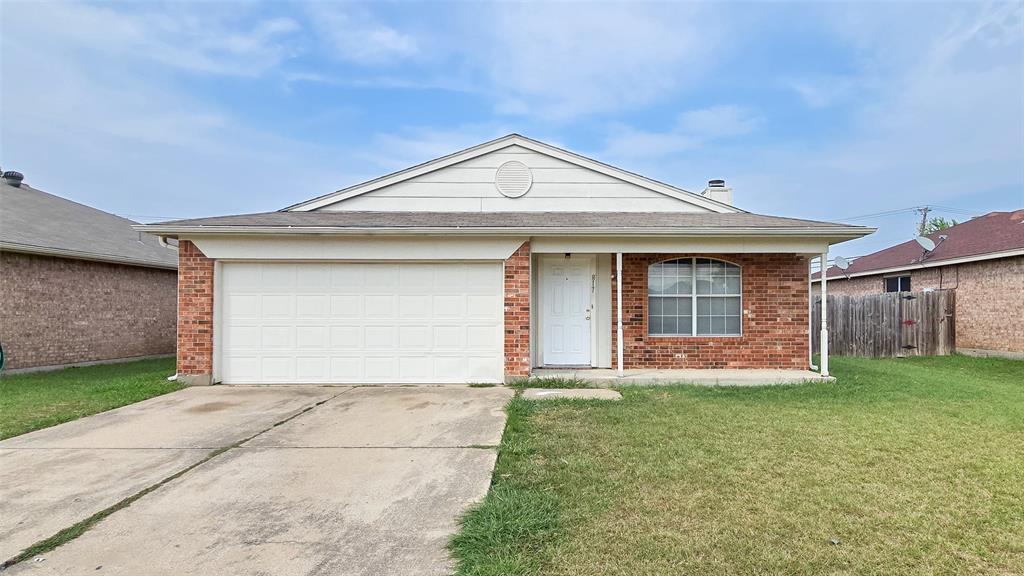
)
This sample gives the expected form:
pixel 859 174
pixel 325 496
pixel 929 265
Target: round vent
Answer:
pixel 513 179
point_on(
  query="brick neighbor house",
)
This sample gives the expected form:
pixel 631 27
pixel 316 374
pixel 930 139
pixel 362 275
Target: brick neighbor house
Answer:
pixel 488 263
pixel 982 259
pixel 79 285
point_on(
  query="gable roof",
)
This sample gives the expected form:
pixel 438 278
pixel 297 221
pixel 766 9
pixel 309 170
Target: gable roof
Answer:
pixel 517 223
pixel 994 235
pixel 505 142
pixel 35 222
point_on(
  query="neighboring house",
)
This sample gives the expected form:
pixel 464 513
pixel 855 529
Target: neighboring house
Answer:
pixel 79 285
pixel 481 265
pixel 982 259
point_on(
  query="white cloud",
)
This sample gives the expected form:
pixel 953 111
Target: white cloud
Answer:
pixel 208 42
pixel 414 145
pixel 355 36
pixel 692 130
pixel 566 60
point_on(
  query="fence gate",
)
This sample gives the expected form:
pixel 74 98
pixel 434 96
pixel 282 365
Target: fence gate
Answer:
pixel 890 324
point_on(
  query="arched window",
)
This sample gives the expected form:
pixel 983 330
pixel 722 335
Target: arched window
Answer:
pixel 694 297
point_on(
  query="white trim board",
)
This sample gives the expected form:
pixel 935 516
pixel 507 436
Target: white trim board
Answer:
pixel 505 142
pixel 927 264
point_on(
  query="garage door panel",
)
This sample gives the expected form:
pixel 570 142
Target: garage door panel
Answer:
pixel 361 322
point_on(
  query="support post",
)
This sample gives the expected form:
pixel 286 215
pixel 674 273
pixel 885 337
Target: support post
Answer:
pixel 824 313
pixel 618 308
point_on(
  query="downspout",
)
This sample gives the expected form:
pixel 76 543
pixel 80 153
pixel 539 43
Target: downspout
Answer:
pixel 824 313
pixel 618 310
pixel 810 314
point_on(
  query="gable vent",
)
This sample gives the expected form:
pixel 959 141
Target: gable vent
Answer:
pixel 513 179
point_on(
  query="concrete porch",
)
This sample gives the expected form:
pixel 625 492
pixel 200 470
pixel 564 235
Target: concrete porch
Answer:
pixel 604 377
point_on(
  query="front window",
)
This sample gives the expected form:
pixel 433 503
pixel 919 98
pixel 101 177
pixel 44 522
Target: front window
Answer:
pixel 694 297
pixel 897 284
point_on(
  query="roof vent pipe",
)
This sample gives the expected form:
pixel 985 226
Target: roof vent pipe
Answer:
pixel 718 191
pixel 13 178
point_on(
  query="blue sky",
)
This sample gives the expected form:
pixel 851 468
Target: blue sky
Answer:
pixel 816 110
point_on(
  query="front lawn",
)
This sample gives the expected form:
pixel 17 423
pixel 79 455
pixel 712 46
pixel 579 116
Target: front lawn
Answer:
pixel 912 466
pixel 37 400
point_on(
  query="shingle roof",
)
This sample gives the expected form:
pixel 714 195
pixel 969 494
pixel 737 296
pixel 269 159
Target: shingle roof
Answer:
pixel 33 221
pixel 510 221
pixel 992 233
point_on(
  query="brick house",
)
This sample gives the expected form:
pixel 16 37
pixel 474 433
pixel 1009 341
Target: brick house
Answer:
pixel 982 259
pixel 79 285
pixel 488 263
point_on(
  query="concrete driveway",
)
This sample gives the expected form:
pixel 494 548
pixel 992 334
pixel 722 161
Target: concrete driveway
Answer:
pixel 307 480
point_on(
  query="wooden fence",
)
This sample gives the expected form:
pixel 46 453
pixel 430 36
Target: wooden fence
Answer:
pixel 891 324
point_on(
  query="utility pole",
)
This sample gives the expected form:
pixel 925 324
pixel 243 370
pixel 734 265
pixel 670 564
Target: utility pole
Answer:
pixel 923 210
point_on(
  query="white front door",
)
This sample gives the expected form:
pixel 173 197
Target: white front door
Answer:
pixel 566 286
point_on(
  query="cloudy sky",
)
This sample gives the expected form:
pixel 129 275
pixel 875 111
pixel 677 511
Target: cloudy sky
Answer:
pixel 816 110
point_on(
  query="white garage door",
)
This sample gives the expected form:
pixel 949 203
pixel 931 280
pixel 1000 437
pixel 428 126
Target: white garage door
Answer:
pixel 361 323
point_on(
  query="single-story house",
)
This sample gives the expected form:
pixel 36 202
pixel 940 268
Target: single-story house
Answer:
pixel 484 264
pixel 78 285
pixel 982 259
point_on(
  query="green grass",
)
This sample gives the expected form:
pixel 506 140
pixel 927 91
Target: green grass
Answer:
pixel 38 400
pixel 550 382
pixel 914 466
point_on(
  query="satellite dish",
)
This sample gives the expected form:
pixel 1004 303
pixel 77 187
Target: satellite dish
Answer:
pixel 925 243
pixel 842 263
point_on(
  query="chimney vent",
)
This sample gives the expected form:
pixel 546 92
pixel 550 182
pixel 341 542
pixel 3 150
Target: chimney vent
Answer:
pixel 716 183
pixel 13 178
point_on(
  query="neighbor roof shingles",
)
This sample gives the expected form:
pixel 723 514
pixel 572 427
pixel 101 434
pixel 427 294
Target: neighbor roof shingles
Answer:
pixel 510 220
pixel 33 221
pixel 991 233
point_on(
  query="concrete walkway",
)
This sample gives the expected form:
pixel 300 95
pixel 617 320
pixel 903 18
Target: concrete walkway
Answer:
pixel 713 377
pixel 314 480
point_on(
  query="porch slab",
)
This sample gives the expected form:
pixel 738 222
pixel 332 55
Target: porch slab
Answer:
pixel 604 377
pixel 571 393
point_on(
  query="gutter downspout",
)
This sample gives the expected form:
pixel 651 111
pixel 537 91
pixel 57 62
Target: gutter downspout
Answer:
pixel 810 314
pixel 824 313
pixel 618 310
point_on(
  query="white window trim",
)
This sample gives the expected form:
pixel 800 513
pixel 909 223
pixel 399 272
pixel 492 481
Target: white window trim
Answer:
pixel 693 296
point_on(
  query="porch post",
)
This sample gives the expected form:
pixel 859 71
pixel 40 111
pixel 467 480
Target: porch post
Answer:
pixel 618 309
pixel 824 313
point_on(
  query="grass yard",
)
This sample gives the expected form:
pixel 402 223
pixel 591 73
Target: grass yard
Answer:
pixel 912 466
pixel 37 400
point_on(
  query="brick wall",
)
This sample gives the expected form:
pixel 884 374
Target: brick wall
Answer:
pixel 989 299
pixel 57 311
pixel 774 320
pixel 517 312
pixel 195 313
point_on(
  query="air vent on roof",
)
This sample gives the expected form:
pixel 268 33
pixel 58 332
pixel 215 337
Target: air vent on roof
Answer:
pixel 13 178
pixel 513 179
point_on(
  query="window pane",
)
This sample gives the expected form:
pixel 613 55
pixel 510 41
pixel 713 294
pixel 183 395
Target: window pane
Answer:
pixel 732 285
pixel 732 306
pixel 654 283
pixel 703 285
pixel 703 326
pixel 656 306
pixel 670 325
pixel 654 325
pixel 703 306
pixel 892 284
pixel 718 306
pixel 905 283
pixel 732 325
pixel 685 307
pixel 718 325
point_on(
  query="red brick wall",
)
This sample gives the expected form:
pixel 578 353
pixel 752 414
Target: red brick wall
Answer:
pixel 57 311
pixel 989 299
pixel 195 311
pixel 517 312
pixel 774 318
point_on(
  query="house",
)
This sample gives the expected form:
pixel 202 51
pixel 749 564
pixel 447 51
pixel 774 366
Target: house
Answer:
pixel 79 285
pixel 982 259
pixel 484 264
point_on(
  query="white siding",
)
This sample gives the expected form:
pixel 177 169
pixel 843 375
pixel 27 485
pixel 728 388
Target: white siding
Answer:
pixel 558 186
